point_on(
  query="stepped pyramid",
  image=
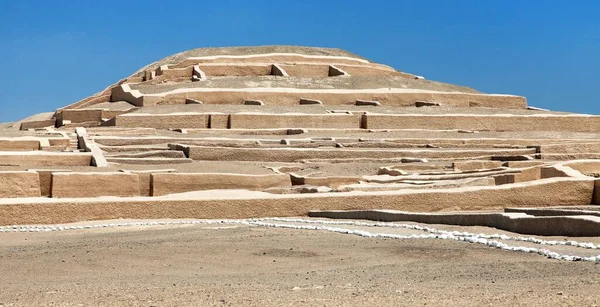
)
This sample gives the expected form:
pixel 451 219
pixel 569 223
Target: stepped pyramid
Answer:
pixel 287 131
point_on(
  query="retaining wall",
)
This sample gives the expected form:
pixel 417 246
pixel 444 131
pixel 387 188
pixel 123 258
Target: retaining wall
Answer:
pixel 163 184
pixel 19 184
pixel 236 70
pixel 584 166
pixel 290 96
pixel 527 174
pixel 144 177
pixel 174 73
pixel 46 179
pixel 307 70
pixel 569 148
pixel 44 158
pixel 123 92
pixel 19 145
pixel 542 193
pixel 475 165
pixel 163 121
pixel 298 154
pixel 94 184
pixel 219 121
pixel 38 124
pixel 503 122
pixel 80 116
pixel 267 121
pixel 362 70
pixel 274 58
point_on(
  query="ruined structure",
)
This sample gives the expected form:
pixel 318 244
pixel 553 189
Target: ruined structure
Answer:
pixel 283 131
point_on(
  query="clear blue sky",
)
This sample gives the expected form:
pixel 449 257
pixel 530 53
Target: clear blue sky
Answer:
pixel 56 52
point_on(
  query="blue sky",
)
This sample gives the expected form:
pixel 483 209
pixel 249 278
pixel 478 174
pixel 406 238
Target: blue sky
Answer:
pixel 56 52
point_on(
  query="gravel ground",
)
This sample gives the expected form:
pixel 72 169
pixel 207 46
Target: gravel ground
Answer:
pixel 229 265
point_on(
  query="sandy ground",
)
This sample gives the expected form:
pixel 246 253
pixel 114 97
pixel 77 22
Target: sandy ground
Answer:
pixel 233 265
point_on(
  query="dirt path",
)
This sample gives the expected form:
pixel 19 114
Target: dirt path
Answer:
pixel 230 264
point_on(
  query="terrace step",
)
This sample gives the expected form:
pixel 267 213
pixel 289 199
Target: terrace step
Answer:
pixel 149 154
pixel 274 154
pixel 132 149
pixel 148 161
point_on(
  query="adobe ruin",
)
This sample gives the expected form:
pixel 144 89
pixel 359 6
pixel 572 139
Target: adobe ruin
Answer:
pixel 284 131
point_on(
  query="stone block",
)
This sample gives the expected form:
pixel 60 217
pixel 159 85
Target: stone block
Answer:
pixel 45 158
pixel 46 179
pixel 80 115
pixel 123 92
pixel 570 148
pixel 525 175
pixel 590 167
pixel 163 184
pixel 306 70
pixel 148 161
pixel 19 144
pixel 525 163
pixel 475 165
pixel 552 172
pixel 95 184
pixel 145 178
pixel 488 122
pixel 369 70
pixel 504 179
pixel 163 121
pixel 38 124
pixel 237 70
pixel 528 174
pixel 19 184
pixel 219 121
pixel 290 120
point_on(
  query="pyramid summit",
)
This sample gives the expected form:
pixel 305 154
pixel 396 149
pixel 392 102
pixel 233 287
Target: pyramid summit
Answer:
pixel 269 131
pixel 256 71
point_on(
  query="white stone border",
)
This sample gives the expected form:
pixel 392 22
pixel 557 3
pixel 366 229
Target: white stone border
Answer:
pixel 483 239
